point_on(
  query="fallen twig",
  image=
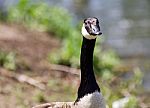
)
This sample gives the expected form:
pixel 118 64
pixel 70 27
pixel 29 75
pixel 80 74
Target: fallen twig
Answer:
pixel 66 69
pixel 22 78
pixel 26 79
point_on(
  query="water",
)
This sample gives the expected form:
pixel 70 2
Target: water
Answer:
pixel 125 25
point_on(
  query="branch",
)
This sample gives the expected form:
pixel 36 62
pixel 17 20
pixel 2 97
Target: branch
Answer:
pixel 22 78
pixel 66 69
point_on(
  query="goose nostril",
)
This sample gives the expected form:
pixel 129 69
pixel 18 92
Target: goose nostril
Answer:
pixel 94 30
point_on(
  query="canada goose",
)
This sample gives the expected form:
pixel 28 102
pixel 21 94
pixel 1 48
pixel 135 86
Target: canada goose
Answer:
pixel 89 95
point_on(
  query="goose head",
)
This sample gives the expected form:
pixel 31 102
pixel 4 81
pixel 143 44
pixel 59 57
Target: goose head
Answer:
pixel 91 28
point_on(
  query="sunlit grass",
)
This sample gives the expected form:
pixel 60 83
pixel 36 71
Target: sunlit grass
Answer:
pixel 57 21
pixel 7 60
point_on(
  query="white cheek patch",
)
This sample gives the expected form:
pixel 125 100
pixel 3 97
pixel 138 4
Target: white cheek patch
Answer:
pixel 93 100
pixel 86 34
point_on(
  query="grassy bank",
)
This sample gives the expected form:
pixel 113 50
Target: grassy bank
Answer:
pixel 57 22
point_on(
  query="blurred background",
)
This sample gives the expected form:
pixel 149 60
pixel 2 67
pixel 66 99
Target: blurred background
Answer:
pixel 40 49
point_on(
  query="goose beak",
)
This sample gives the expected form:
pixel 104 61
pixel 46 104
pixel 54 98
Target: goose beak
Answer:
pixel 95 30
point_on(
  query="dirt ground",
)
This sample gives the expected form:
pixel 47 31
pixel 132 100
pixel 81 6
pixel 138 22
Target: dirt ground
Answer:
pixel 32 48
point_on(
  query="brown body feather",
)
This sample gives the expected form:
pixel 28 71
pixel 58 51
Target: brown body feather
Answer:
pixel 56 105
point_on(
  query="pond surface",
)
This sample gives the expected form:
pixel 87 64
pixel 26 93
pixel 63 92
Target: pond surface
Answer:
pixel 125 25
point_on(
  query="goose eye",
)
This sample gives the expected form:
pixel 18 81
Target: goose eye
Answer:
pixel 89 22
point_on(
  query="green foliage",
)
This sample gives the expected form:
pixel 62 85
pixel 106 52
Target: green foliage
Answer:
pixel 105 61
pixel 58 21
pixel 7 60
pixel 69 53
pixel 132 103
pixel 19 96
pixel 39 97
pixel 1 16
pixel 114 91
pixel 138 76
pixel 41 16
pixel 52 19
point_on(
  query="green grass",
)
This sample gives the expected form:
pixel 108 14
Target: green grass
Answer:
pixel 121 88
pixel 39 97
pixel 7 60
pixel 57 21
pixel 42 17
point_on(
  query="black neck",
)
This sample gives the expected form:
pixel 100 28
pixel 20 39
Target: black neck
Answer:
pixel 88 82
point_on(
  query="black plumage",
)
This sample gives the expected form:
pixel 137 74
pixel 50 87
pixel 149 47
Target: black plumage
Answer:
pixel 88 81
